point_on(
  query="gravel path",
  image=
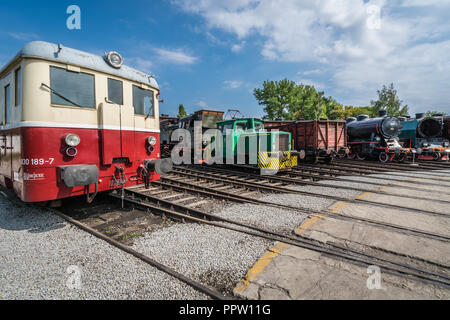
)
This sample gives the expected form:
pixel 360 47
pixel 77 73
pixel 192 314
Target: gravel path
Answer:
pixel 216 256
pixel 37 248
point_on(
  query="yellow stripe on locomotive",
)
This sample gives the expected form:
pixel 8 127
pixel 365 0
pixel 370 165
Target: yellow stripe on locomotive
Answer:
pixel 280 161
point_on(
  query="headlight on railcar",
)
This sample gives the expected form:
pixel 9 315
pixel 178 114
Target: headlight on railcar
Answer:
pixel 445 144
pixel 72 140
pixel 151 140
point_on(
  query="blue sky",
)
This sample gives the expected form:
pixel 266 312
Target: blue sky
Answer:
pixel 212 54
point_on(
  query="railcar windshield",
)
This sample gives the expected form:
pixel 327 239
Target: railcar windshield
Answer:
pixel 18 87
pixel 259 126
pixel 226 127
pixel 241 126
pixel 74 86
pixel 115 91
pixel 143 101
pixel 7 96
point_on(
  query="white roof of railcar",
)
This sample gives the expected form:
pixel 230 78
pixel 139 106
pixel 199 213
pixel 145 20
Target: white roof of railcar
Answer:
pixel 52 51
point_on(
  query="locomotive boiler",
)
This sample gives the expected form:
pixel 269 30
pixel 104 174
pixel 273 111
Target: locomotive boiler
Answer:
pixel 375 138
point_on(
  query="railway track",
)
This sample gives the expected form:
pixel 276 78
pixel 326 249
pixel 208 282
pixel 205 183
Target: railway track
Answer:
pixel 101 233
pixel 413 178
pixel 342 169
pixel 389 167
pixel 179 212
pixel 260 183
pixel 233 194
pixel 340 176
pixel 194 284
pixel 292 177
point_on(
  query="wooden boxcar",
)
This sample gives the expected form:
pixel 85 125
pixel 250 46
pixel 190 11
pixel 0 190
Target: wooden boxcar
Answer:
pixel 315 139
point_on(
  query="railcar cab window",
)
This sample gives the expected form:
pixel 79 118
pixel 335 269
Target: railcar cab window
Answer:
pixel 241 126
pixel 225 128
pixel 259 126
pixel 115 91
pixel 18 87
pixel 73 89
pixel 7 95
pixel 143 101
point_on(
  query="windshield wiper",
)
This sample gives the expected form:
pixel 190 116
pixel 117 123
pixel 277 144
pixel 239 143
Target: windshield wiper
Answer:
pixel 60 95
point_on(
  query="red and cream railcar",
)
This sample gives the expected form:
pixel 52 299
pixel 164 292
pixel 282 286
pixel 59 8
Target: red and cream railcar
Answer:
pixel 74 123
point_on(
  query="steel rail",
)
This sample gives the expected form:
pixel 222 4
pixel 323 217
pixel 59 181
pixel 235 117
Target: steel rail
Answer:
pixel 193 215
pixel 388 167
pixel 192 283
pixel 336 177
pixel 312 183
pixel 312 194
pixel 392 173
pixel 224 195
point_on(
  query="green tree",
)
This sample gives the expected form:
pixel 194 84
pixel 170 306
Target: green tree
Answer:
pixel 389 101
pixel 344 112
pixel 181 111
pixel 285 100
pixel 433 113
pixel 278 97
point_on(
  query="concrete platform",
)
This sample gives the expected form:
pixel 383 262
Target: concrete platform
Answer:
pixel 289 272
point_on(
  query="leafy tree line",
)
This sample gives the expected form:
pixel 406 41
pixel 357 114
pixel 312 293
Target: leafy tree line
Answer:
pixel 286 100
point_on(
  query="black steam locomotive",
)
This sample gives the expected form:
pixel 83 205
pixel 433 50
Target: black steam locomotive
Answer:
pixel 375 138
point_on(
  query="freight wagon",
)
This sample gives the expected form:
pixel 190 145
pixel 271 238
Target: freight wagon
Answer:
pixel 314 140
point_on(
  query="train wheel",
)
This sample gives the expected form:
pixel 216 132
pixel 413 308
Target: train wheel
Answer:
pixel 436 156
pixel 383 157
pixel 315 159
pixel 401 157
pixel 351 156
pixel 360 157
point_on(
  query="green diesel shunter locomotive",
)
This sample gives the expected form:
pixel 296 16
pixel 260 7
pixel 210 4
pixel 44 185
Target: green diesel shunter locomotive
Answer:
pixel 246 140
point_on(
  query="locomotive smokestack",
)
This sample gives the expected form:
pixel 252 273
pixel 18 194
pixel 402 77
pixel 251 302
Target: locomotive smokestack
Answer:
pixel 419 115
pixel 382 113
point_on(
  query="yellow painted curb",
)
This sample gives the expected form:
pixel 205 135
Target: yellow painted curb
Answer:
pixel 260 265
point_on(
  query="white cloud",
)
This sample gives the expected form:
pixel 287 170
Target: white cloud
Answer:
pixel 305 81
pixel 23 36
pixel 177 56
pixel 232 84
pixel 202 104
pixel 410 47
pixel 312 72
pixel 140 64
pixel 238 47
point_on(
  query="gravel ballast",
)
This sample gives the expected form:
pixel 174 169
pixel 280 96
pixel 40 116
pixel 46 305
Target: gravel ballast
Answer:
pixel 204 252
pixel 37 248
